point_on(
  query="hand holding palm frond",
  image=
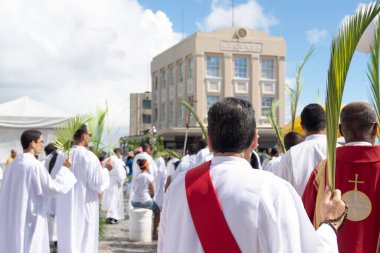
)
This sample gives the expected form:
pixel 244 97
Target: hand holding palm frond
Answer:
pixel 342 50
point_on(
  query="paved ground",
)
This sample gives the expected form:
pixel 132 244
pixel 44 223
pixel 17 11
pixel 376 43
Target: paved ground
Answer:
pixel 117 241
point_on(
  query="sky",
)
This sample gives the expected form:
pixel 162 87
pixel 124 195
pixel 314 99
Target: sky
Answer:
pixel 75 55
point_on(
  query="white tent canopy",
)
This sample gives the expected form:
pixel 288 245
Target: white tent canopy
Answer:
pixel 22 114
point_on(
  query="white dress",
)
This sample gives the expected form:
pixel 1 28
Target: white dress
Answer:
pixel 298 163
pixel 78 211
pixel 263 212
pixel 160 181
pixel 23 196
pixel 113 195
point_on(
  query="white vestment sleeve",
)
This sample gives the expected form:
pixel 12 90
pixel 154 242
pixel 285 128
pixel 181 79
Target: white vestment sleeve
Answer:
pixel 285 170
pixel 94 174
pixel 46 186
pixel 285 227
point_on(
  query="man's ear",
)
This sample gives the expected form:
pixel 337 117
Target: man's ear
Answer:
pixel 255 139
pixel 374 130
pixel 209 143
pixel 340 129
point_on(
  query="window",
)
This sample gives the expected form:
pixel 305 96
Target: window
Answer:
pixel 171 111
pixel 191 70
pixel 156 83
pixel 267 68
pixel 147 104
pixel 163 112
pixel 181 113
pixel 266 106
pixel 163 78
pixel 171 77
pixel 180 68
pixel 240 67
pixel 210 101
pixel 213 66
pixel 147 119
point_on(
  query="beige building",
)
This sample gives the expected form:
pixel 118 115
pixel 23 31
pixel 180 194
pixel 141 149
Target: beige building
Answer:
pixel 208 66
pixel 140 113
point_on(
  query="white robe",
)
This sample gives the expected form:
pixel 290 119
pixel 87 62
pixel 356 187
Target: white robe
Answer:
pixel 272 165
pixel 78 211
pixel 298 163
pixel 187 163
pixel 160 181
pixel 112 196
pixel 203 155
pixel 51 201
pixel 263 212
pixel 170 166
pixel 23 220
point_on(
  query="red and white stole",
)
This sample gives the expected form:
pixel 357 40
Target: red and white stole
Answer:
pixel 206 212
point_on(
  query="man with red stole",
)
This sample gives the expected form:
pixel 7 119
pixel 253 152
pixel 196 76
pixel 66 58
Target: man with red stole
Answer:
pixel 358 178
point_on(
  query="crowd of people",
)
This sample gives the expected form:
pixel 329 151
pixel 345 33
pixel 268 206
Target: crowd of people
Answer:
pixel 219 197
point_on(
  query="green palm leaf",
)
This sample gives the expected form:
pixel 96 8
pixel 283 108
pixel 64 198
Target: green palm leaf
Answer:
pixel 373 72
pixel 196 117
pixel 272 118
pixel 169 152
pixel 342 50
pixel 63 135
pixel 96 126
pixel 294 93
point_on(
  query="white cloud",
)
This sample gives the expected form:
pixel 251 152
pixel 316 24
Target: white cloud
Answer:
pixel 315 35
pixel 74 55
pixel 249 14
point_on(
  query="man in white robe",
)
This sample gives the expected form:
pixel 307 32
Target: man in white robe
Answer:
pixel 299 162
pixel 262 211
pixel 26 186
pixel 160 181
pixel 78 211
pixel 113 197
pixel 187 163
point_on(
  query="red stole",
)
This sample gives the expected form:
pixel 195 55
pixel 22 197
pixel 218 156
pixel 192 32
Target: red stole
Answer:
pixel 205 209
pixel 358 178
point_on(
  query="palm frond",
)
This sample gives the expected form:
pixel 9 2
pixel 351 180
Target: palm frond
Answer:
pixel 96 126
pixel 272 118
pixel 63 135
pixel 169 152
pixel 295 92
pixel 373 72
pixel 342 50
pixel 196 117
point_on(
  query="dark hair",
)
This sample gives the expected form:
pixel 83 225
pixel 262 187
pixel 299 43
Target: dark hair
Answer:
pixel 291 139
pixel 202 144
pixel 231 125
pixel 117 150
pixel 50 148
pixel 145 146
pixel 28 137
pixel 273 152
pixel 80 132
pixel 254 161
pixel 357 120
pixel 313 117
pixel 192 149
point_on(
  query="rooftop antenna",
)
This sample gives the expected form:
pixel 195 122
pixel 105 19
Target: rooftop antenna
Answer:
pixel 233 13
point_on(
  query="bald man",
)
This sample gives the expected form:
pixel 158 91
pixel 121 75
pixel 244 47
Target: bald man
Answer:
pixel 358 178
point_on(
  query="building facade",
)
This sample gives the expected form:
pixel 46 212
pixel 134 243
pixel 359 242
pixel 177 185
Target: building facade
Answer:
pixel 140 113
pixel 208 66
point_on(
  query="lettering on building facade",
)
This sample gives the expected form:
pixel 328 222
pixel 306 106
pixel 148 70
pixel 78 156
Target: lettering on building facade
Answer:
pixel 241 46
